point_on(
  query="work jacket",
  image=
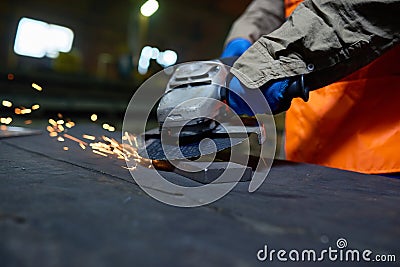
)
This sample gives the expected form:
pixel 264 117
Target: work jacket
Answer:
pixel 348 47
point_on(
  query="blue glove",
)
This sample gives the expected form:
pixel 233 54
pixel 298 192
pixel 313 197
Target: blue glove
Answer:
pixel 236 47
pixel 278 94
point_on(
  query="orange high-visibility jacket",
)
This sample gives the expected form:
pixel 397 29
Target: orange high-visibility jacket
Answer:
pixel 352 124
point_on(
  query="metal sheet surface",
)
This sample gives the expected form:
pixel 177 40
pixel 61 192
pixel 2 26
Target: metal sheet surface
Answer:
pixel 13 131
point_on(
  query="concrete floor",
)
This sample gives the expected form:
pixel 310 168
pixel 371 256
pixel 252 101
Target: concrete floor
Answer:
pixel 76 208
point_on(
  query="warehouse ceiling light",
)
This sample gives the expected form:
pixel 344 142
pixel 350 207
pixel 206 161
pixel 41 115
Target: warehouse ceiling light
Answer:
pixel 36 38
pixel 149 8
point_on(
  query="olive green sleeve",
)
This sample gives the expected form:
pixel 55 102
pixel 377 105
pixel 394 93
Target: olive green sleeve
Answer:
pixel 261 17
pixel 323 39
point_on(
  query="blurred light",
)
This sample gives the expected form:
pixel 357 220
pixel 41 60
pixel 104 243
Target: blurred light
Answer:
pixel 10 76
pixel 36 38
pixel 30 38
pixel 37 87
pixel 165 59
pixel 155 53
pixel 147 51
pixel 93 117
pixel 35 107
pixel 149 8
pixel 26 111
pixel 143 65
pixel 61 38
pixel 142 70
pixel 89 137
pixel 52 122
pixel 52 54
pixel 70 124
pixel 144 60
pixel 6 103
pixel 7 120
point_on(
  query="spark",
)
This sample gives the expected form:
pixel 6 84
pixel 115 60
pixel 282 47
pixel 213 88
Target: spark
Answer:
pixel 74 139
pixel 17 111
pixel 50 129
pixel 129 168
pixel 130 137
pixel 108 127
pixel 37 87
pixel 125 152
pixel 52 122
pixel 70 124
pixel 6 103
pixel 135 140
pixel 66 148
pixel 106 146
pixel 89 137
pixel 104 150
pixel 7 120
pixel 35 107
pixel 111 140
pixel 26 111
pixel 93 117
pixel 99 153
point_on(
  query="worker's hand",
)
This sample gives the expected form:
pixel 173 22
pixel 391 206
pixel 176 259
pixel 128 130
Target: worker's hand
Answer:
pixel 278 94
pixel 236 47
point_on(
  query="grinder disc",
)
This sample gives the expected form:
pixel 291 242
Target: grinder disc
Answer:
pixel 156 151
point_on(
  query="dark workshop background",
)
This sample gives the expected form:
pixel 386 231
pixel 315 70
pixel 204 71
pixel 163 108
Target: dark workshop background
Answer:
pixel 100 73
